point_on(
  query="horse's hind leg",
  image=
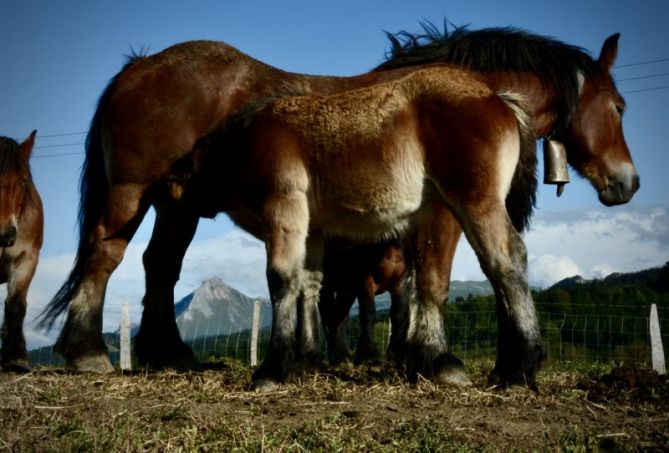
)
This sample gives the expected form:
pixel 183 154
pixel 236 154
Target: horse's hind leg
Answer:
pixel 308 315
pixel 81 341
pixel 366 350
pixel 503 258
pixel 430 251
pixel 14 354
pixel 334 313
pixel 158 343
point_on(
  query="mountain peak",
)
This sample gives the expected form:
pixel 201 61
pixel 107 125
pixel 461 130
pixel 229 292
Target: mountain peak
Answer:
pixel 215 305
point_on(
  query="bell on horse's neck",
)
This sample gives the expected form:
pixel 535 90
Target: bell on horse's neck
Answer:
pixel 555 165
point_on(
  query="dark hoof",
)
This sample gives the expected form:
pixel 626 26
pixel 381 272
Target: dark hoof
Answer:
pixel 396 356
pixel 173 356
pixel 267 377
pixel 367 353
pixel 337 357
pixel 17 366
pixel 508 381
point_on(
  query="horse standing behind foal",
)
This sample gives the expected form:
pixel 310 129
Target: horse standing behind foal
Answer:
pixel 360 272
pixel 21 229
pixel 366 165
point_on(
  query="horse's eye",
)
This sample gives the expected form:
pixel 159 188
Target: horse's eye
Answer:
pixel 620 108
pixel 24 182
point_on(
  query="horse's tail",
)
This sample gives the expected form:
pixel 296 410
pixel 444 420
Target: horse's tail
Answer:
pixel 522 196
pixel 94 190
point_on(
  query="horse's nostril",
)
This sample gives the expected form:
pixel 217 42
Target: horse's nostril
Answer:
pixel 8 236
pixel 636 183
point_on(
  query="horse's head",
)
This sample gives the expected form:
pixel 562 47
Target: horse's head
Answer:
pixel 596 147
pixel 14 185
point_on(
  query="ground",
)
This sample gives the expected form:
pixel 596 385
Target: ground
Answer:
pixel 347 409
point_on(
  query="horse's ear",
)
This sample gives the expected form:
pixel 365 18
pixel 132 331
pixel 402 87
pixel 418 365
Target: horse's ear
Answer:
pixel 27 145
pixel 609 52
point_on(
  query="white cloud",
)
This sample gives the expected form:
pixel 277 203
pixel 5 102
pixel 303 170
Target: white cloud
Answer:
pixel 547 269
pixel 592 244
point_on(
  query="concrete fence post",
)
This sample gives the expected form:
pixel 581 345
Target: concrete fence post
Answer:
pixel 255 333
pixel 657 351
pixel 125 339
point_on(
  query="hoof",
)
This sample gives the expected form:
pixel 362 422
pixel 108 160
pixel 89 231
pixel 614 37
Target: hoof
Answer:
pixel 17 366
pixel 92 364
pixel 171 355
pixel 445 368
pixel 264 385
pixel 180 363
pixel 450 370
pixel 367 353
pixel 337 357
pixel 453 377
pixel 510 381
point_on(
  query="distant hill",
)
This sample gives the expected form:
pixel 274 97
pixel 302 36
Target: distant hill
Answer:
pixel 656 278
pixel 217 309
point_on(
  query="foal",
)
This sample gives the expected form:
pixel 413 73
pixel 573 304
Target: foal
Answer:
pixel 366 165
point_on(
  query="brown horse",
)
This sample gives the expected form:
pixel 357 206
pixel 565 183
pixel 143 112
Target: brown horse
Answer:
pixel 359 272
pixel 552 78
pixel 367 165
pixel 186 89
pixel 571 99
pixel 21 227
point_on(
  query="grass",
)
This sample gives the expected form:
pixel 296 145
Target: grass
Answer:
pixel 367 408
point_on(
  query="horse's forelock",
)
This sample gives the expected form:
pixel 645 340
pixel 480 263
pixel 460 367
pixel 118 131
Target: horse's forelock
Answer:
pixel 10 156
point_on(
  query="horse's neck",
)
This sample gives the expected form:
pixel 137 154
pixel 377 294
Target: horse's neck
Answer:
pixel 539 102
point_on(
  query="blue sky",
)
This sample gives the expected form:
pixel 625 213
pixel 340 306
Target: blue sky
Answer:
pixel 57 57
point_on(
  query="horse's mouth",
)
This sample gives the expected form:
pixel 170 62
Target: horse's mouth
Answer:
pixel 619 192
pixel 6 242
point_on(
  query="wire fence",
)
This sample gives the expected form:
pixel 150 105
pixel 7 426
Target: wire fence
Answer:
pixel 594 334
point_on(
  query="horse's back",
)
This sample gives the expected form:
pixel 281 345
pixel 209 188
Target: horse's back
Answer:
pixel 160 104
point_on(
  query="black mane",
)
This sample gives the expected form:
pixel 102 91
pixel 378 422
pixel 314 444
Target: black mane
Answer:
pixel 11 161
pixel 492 50
pixel 10 156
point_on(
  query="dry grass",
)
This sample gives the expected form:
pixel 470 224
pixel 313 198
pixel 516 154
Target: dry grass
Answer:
pixel 346 409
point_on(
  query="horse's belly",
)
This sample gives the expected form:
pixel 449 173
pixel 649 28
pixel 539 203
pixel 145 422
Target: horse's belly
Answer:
pixel 371 208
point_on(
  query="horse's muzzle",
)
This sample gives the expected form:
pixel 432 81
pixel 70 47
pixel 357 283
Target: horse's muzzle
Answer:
pixel 620 189
pixel 8 236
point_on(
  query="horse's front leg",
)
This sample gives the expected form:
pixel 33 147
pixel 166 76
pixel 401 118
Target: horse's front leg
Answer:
pixel 13 353
pixel 286 219
pixel 367 350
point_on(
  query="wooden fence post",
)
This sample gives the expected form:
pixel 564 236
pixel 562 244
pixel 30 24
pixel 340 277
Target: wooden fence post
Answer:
pixel 125 339
pixel 255 332
pixel 657 351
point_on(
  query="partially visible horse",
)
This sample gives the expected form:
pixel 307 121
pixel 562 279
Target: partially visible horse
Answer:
pixel 367 165
pixel 359 272
pixel 188 88
pixel 21 229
